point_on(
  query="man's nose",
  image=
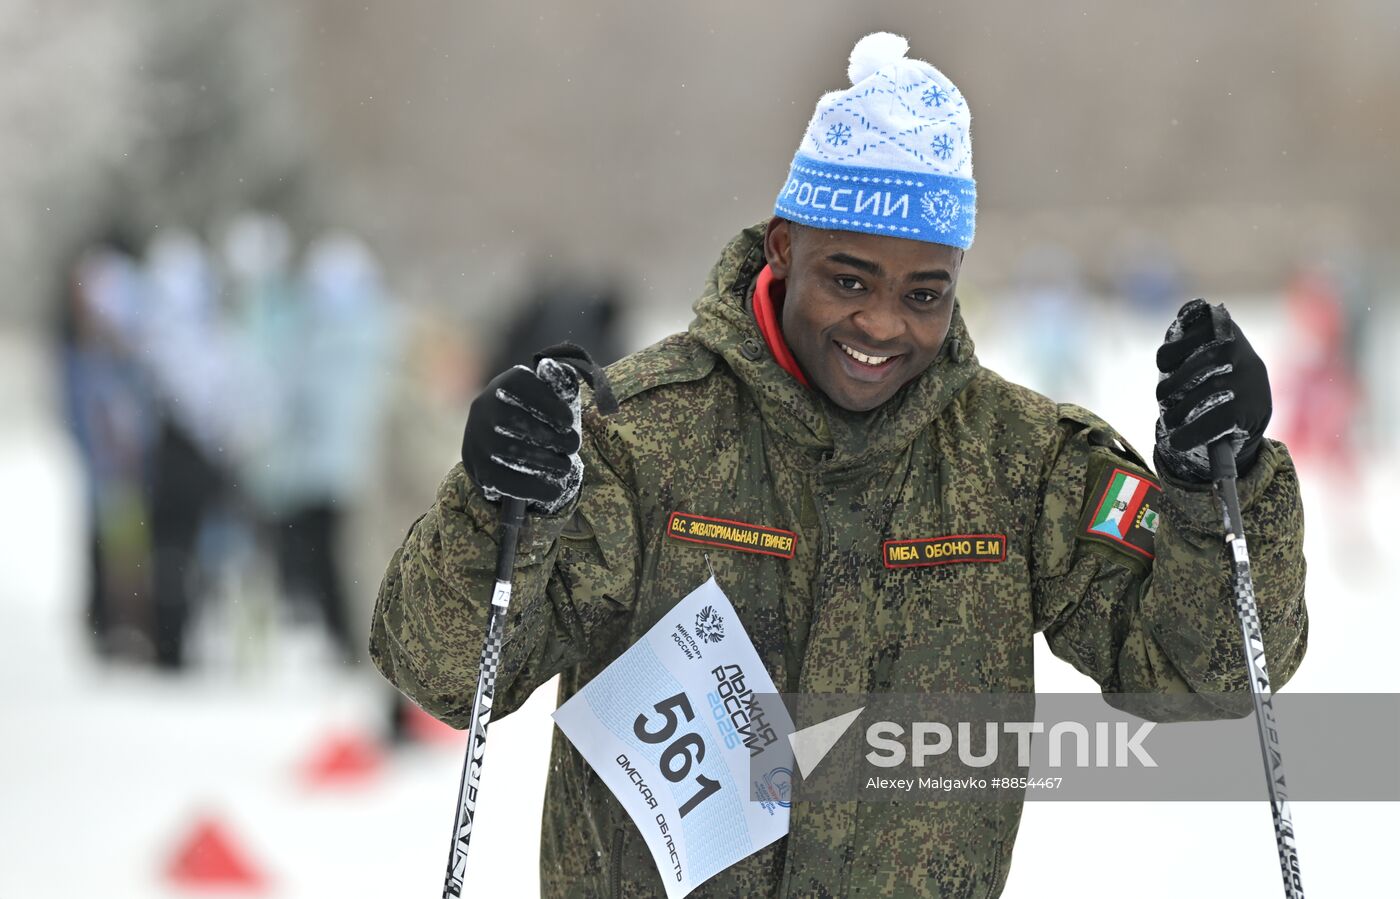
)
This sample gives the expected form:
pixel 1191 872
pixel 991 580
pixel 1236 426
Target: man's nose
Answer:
pixel 880 320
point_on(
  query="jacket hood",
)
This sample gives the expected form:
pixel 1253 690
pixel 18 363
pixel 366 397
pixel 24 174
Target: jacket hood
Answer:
pixel 841 439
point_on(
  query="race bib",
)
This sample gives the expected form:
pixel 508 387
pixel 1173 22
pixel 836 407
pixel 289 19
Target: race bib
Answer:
pixel 670 727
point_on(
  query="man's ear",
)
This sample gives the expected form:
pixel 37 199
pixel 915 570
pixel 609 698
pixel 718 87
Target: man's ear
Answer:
pixel 777 247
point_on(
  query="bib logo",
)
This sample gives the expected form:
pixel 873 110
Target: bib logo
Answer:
pixel 709 625
pixel 940 209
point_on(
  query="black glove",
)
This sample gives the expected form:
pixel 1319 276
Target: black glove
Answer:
pixel 522 436
pixel 1213 385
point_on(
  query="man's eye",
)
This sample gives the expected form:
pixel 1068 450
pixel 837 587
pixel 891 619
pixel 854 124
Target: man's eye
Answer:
pixel 846 282
pixel 925 297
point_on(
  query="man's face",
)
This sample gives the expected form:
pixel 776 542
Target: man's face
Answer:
pixel 864 314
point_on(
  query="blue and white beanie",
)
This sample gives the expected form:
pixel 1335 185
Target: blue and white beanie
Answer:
pixel 890 155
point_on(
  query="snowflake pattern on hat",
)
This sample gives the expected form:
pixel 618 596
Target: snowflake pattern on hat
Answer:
pixel 878 125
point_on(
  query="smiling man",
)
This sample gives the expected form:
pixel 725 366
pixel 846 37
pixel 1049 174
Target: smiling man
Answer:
pixel 868 314
pixel 888 515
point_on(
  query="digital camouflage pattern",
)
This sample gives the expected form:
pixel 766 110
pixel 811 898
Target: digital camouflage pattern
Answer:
pixel 710 425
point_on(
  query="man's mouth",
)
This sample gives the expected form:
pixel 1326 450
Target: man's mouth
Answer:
pixel 866 359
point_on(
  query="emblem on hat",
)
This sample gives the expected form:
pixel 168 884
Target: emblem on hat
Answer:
pixel 940 209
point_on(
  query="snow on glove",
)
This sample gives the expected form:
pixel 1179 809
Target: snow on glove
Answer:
pixel 1212 385
pixel 523 435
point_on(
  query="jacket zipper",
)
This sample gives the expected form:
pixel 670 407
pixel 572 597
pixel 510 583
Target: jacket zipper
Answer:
pixel 942 488
pixel 941 492
pixel 996 872
pixel 615 875
pixel 881 672
pixel 823 547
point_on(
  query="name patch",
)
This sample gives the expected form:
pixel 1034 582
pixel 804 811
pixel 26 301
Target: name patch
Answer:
pixel 749 538
pixel 944 550
pixel 1125 512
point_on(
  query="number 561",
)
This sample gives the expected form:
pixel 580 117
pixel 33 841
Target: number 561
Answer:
pixel 684 751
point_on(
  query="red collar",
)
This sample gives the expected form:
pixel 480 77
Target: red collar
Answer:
pixel 767 303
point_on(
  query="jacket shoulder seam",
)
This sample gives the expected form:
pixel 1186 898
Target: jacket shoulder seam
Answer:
pixel 673 360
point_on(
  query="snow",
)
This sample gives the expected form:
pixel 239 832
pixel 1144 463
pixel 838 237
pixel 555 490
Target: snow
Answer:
pixel 102 771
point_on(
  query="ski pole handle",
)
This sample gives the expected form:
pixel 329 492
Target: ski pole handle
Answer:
pixel 1223 473
pixel 512 518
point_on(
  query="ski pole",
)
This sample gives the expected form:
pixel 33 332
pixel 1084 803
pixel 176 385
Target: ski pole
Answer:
pixel 512 517
pixel 1222 470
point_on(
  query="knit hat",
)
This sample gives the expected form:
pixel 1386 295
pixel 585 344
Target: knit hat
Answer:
pixel 891 154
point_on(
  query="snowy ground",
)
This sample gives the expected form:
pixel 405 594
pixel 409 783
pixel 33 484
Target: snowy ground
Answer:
pixel 102 772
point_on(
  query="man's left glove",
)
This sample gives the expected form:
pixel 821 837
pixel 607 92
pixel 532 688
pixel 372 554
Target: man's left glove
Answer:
pixel 1212 385
pixel 523 435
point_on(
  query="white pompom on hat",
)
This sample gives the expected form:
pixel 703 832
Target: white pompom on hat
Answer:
pixel 891 154
pixel 873 52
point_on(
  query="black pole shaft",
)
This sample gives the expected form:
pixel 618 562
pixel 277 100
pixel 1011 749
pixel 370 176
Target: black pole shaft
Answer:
pixel 512 518
pixel 1222 464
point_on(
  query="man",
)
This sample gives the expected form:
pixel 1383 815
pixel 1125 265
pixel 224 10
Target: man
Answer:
pixel 832 393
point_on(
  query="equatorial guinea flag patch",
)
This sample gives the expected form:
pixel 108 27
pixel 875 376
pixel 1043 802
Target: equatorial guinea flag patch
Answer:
pixel 1125 512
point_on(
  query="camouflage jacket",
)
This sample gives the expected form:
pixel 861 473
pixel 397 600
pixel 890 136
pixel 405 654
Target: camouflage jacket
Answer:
pixel 711 426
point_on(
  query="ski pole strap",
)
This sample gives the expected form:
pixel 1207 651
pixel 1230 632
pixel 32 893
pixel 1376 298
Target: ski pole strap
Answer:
pixel 577 358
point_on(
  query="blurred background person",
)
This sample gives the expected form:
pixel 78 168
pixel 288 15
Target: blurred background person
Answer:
pixel 110 412
pixel 267 319
pixel 344 338
pixel 1322 396
pixel 436 373
pixel 563 304
pixel 185 345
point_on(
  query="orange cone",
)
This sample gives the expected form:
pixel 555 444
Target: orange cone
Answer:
pixel 210 857
pixel 343 759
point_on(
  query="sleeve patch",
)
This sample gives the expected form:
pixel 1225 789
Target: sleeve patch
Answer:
pixel 1124 512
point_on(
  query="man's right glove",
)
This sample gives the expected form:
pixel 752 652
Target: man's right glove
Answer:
pixel 1213 385
pixel 523 435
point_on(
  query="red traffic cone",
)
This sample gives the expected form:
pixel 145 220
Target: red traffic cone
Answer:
pixel 343 759
pixel 209 857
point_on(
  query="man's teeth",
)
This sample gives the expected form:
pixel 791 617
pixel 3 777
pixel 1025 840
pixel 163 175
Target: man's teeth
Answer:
pixel 861 357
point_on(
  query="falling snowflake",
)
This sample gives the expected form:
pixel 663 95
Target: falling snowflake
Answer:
pixel 838 135
pixel 943 146
pixel 935 96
